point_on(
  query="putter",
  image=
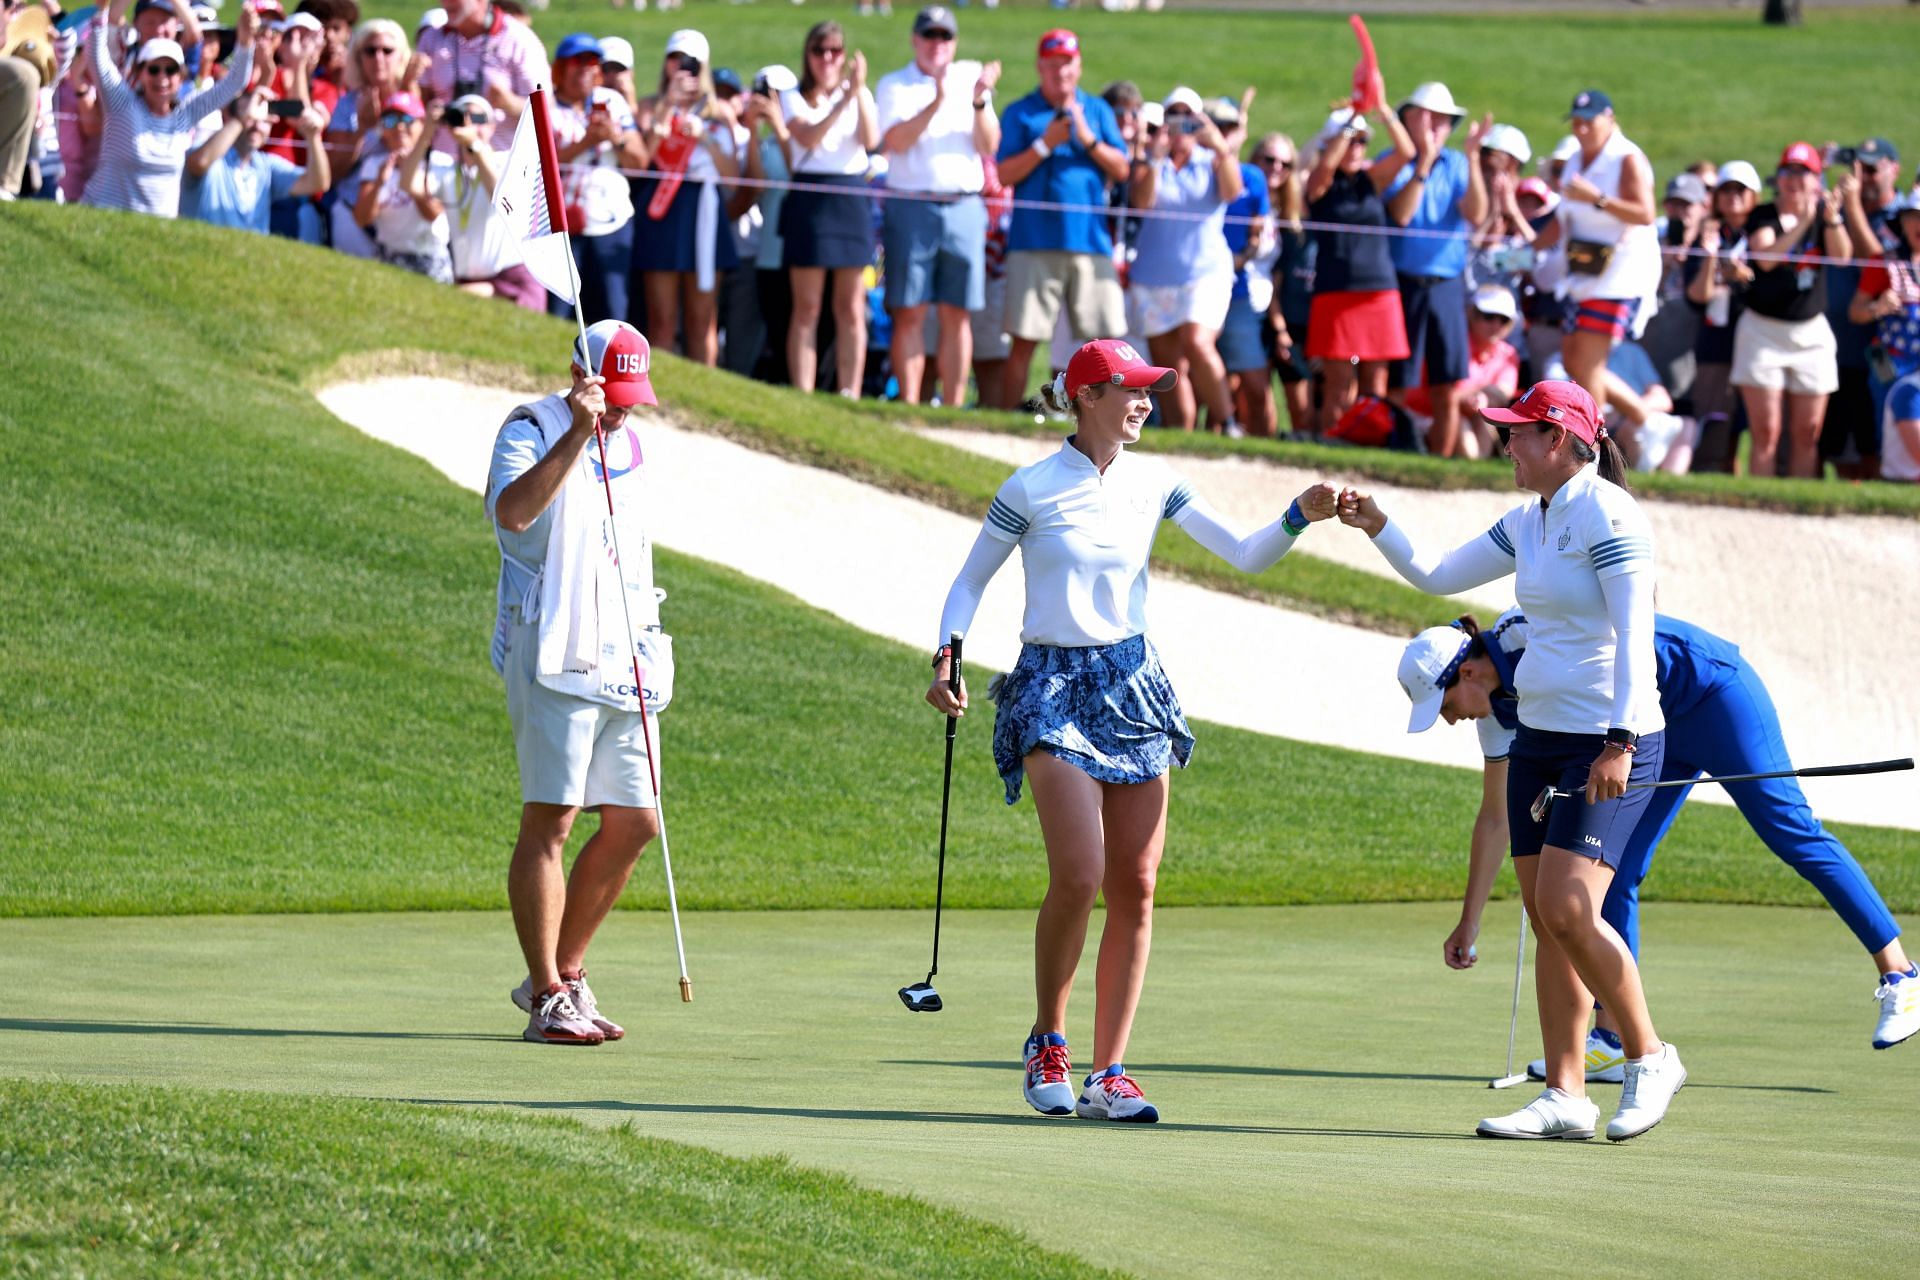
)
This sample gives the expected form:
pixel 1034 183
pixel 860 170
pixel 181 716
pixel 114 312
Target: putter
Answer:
pixel 1509 1080
pixel 1543 803
pixel 921 997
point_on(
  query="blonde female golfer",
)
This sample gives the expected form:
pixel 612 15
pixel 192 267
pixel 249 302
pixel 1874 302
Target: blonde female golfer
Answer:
pixel 1087 713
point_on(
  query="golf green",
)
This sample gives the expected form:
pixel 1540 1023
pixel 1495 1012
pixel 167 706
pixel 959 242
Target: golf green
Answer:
pixel 1319 1070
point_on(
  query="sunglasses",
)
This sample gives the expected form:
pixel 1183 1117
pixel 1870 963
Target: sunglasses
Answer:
pixel 167 70
pixel 937 37
pixel 1273 162
pixel 828 50
pixel 372 51
pixel 1491 317
pixel 394 119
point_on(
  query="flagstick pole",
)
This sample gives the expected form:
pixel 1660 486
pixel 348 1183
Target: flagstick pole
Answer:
pixel 626 609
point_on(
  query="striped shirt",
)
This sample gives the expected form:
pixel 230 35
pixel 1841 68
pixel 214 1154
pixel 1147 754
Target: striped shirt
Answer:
pixel 142 155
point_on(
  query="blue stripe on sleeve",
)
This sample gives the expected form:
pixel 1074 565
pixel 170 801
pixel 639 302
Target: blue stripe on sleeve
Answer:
pixel 1006 519
pixel 1618 551
pixel 1177 500
pixel 1500 539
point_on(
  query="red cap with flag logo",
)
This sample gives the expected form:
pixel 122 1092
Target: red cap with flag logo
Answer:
pixel 1059 43
pixel 1557 404
pixel 1803 155
pixel 1116 363
pixel 618 352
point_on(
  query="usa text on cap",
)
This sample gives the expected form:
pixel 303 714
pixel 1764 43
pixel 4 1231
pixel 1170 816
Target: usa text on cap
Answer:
pixel 1116 363
pixel 1556 404
pixel 1589 104
pixel 1059 43
pixel 618 352
pixel 935 17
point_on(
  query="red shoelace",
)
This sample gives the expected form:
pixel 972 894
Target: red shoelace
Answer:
pixel 1050 1064
pixel 1119 1086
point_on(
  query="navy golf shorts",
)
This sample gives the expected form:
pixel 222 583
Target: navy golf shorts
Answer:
pixel 1540 758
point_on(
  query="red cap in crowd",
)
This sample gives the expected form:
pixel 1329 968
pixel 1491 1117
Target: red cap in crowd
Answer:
pixel 405 103
pixel 1059 43
pixel 1116 363
pixel 1803 155
pixel 618 352
pixel 1558 404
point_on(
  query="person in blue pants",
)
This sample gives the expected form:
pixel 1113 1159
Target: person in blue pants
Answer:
pixel 1720 721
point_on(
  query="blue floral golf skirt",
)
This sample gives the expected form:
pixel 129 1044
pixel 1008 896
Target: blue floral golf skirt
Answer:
pixel 1108 710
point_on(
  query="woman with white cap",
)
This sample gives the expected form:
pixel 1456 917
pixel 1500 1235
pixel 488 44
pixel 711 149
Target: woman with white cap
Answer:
pixel 594 139
pixel 143 150
pixel 1087 713
pixel 1606 239
pixel 1717 281
pixel 1720 721
pixel 1182 278
pixel 1355 326
pixel 1503 242
pixel 1589 723
pixel 681 239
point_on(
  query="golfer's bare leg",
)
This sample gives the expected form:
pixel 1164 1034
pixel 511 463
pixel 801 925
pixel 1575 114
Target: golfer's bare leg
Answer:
pixel 1570 889
pixel 1136 820
pixel 1562 998
pixel 599 875
pixel 1069 805
pixel 537 887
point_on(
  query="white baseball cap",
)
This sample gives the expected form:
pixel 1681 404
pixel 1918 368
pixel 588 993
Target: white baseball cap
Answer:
pixel 1429 666
pixel 1565 149
pixel 1153 114
pixel 780 79
pixel 305 21
pixel 1508 140
pixel 616 51
pixel 1341 118
pixel 156 49
pixel 1738 171
pixel 1183 97
pixel 1435 97
pixel 690 42
pixel 1494 300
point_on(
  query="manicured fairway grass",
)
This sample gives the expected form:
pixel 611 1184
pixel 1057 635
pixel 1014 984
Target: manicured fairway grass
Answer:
pixel 1319 1069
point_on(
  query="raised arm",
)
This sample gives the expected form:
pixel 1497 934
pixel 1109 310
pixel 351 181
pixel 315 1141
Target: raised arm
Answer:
pixel 1471 564
pixel 1258 551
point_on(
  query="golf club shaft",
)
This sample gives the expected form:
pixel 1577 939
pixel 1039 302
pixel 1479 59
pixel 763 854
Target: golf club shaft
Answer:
pixel 1817 771
pixel 946 792
pixel 1519 964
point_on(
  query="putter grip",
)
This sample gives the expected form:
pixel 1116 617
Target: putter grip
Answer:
pixel 1827 771
pixel 954 641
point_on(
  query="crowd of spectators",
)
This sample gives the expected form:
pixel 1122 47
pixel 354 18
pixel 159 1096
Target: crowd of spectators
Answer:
pixel 913 237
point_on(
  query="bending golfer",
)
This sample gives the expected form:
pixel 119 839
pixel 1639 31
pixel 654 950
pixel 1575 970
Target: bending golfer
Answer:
pixel 1087 713
pixel 1589 720
pixel 1720 721
pixel 561 646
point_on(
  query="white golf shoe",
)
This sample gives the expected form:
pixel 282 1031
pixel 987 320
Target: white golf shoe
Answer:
pixel 1650 1085
pixel 1899 997
pixel 554 1020
pixel 583 1002
pixel 1606 1061
pixel 1112 1095
pixel 1049 1071
pixel 1553 1114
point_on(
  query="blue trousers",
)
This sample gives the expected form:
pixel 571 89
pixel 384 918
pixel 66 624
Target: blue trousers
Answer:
pixel 603 276
pixel 1736 730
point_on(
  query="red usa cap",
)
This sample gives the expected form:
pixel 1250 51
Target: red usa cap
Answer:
pixel 1116 363
pixel 618 352
pixel 1059 43
pixel 1803 155
pixel 1558 404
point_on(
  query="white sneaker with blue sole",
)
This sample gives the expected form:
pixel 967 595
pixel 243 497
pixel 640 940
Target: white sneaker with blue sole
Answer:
pixel 1048 1088
pixel 1112 1095
pixel 1899 997
pixel 1606 1061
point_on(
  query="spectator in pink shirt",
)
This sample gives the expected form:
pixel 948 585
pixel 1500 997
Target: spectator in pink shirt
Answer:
pixel 481 50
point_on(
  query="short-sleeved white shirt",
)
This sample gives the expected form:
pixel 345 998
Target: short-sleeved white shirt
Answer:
pixel 1594 530
pixel 592 180
pixel 1084 541
pixel 944 158
pixel 839 150
pixel 398 225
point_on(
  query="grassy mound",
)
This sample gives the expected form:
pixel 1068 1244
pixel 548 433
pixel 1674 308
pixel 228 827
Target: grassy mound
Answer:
pixel 137 1181
pixel 251 671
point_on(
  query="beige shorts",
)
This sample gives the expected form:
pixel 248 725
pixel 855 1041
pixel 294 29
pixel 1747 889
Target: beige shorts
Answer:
pixel 1797 356
pixel 572 751
pixel 1038 280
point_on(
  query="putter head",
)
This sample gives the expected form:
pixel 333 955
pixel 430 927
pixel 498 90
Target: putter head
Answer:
pixel 1506 1082
pixel 1542 803
pixel 920 998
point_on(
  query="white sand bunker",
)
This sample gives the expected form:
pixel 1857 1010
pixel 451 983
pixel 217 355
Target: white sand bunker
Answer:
pixel 883 563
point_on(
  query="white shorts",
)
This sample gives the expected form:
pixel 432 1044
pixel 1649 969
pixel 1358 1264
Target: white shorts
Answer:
pixel 572 751
pixel 1154 309
pixel 990 323
pixel 1797 356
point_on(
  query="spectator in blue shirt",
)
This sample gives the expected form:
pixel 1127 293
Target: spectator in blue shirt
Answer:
pixel 1059 146
pixel 1443 196
pixel 231 182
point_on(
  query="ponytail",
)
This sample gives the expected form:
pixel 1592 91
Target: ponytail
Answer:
pixel 1613 463
pixel 1477 642
pixel 1468 623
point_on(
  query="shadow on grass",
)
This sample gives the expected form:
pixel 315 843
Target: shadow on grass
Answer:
pixel 1303 1073
pixel 86 1027
pixel 919 1117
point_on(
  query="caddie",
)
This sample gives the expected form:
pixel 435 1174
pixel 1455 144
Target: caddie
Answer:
pixel 573 539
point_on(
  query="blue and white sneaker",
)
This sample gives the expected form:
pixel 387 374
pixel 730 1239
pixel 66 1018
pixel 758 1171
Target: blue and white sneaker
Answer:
pixel 1048 1072
pixel 1606 1060
pixel 1112 1095
pixel 1899 997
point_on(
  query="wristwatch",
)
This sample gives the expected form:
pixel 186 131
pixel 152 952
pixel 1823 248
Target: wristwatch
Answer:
pixel 1625 739
pixel 984 101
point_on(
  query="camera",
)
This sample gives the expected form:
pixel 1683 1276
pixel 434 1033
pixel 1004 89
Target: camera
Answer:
pixel 453 117
pixel 761 87
pixel 1846 157
pixel 1185 124
pixel 464 85
pixel 286 108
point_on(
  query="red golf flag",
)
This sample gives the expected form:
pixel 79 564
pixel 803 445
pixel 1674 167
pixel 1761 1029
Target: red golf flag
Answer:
pixel 1369 90
pixel 528 198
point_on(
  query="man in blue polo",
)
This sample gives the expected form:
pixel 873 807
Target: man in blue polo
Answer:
pixel 1442 195
pixel 1059 146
